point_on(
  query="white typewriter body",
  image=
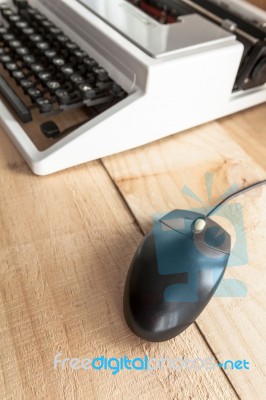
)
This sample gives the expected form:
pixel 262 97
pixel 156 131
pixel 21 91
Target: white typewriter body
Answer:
pixel 177 76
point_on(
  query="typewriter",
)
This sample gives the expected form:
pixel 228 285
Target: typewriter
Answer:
pixel 84 79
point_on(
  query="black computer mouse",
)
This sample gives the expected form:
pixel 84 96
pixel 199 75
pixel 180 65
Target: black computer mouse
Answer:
pixel 174 273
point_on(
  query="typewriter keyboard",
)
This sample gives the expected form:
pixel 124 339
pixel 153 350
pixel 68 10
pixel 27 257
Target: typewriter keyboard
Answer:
pixel 47 78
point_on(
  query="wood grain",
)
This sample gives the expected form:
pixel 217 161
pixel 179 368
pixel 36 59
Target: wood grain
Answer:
pixel 259 3
pixel 151 180
pixel 66 243
pixel 248 129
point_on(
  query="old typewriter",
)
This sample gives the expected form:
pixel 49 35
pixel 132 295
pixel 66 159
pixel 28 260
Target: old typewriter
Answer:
pixel 84 79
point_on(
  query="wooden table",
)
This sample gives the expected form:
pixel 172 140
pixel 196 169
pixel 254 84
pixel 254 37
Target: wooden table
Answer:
pixel 66 244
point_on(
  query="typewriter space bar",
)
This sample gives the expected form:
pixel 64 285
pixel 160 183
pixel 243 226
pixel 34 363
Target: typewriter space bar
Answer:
pixel 22 111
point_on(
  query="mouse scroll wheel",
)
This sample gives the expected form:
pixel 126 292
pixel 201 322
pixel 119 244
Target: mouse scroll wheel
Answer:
pixel 199 224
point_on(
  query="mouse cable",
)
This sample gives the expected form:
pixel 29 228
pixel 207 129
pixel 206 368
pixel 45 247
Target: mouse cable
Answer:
pixel 233 195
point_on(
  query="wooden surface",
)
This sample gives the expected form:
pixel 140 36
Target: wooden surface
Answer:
pixel 66 242
pixel 258 3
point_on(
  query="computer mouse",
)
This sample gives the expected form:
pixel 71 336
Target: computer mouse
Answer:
pixel 174 274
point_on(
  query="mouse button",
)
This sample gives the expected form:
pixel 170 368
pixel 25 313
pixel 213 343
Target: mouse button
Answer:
pixel 217 237
pixel 213 236
pixel 208 256
pixel 172 250
pixel 180 220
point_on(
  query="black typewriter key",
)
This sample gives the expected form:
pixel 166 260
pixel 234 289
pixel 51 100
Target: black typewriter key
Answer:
pixel 22 51
pixel 54 31
pixel 21 25
pixel 36 68
pixel 3 31
pixel 6 12
pixel 68 49
pixel 62 39
pixel 63 96
pixel 104 85
pixel 100 73
pixel 43 46
pixel 15 44
pixel 50 129
pixel 78 56
pixel 117 91
pixel 47 24
pixel 50 54
pixel 70 46
pixel 29 59
pixel 3 7
pixel 28 31
pixel 34 93
pixel 116 88
pixel 5 59
pixel 32 12
pixel 87 91
pixel 11 67
pixel 2 52
pixel 35 38
pixel 44 105
pixel 13 19
pixel 18 75
pixel 53 85
pixel 76 79
pixel 40 17
pixel 8 37
pixel 45 76
pixel 89 63
pixel 67 70
pixel 58 61
pixel 26 84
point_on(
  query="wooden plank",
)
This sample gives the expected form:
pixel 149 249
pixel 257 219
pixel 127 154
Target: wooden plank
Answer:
pixel 66 243
pixel 251 124
pixel 259 3
pixel 151 180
